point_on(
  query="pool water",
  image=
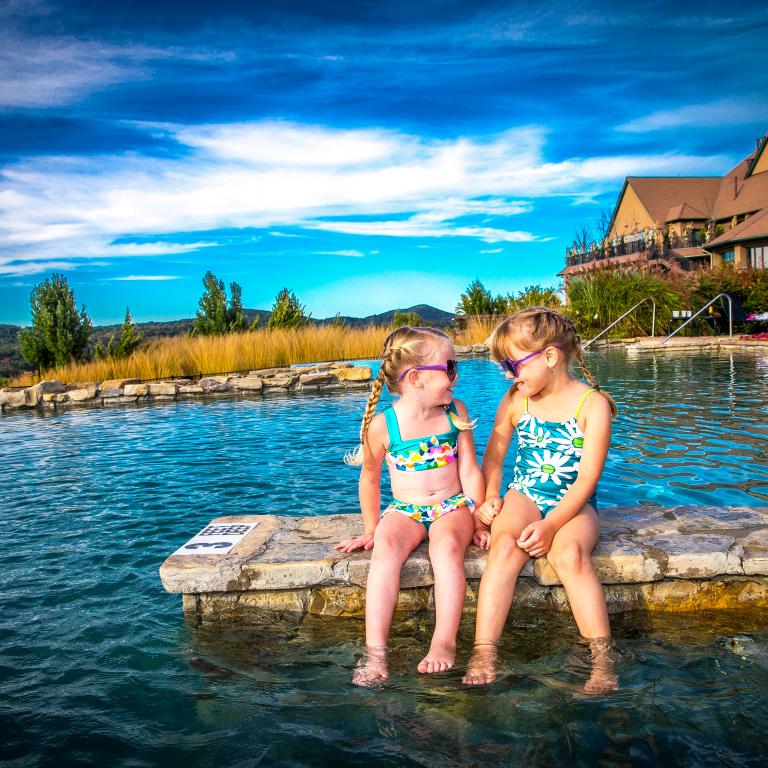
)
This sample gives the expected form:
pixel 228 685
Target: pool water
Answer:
pixel 97 666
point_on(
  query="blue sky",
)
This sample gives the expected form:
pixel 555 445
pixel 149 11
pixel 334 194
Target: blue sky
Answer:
pixel 365 155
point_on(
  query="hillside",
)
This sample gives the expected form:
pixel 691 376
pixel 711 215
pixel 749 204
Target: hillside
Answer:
pixel 12 363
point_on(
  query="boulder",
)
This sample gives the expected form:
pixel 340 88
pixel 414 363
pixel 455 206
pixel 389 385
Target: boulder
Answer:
pixel 355 373
pixel 13 398
pixel 33 395
pixel 136 390
pixel 117 383
pixel 248 384
pixel 213 384
pixel 163 389
pixel 314 379
pixel 86 393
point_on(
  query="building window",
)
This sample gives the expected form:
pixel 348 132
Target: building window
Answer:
pixel 728 257
pixel 758 257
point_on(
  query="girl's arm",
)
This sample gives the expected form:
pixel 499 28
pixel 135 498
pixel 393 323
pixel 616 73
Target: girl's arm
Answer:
pixel 536 538
pixel 470 476
pixel 493 459
pixel 369 486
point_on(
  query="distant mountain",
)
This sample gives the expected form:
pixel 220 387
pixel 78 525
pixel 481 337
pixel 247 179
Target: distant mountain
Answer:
pixel 12 363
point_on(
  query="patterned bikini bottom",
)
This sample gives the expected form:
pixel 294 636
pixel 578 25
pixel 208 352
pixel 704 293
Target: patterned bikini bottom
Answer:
pixel 428 513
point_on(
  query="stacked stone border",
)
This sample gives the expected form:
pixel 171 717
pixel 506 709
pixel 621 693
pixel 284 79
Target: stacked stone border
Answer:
pixel 320 377
pixel 653 559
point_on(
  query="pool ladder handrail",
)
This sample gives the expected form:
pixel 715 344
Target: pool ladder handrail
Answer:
pixel 708 304
pixel 605 330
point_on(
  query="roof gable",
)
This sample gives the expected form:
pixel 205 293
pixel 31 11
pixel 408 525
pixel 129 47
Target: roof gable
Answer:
pixel 660 195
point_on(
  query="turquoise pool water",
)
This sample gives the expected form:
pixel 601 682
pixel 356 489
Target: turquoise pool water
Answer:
pixel 97 666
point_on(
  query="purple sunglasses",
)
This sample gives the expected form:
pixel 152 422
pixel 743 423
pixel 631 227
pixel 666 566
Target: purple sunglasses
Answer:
pixel 512 366
pixel 451 369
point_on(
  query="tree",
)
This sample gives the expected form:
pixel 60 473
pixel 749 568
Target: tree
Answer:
pixel 406 318
pixel 287 311
pixel 214 316
pixel 59 333
pixel 479 301
pixel 123 346
pixel 532 296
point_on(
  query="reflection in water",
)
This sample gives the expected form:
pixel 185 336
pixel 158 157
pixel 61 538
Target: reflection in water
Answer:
pixel 673 704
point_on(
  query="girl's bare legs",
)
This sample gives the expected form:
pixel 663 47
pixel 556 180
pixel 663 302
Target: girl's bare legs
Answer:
pixel 449 537
pixel 395 538
pixel 569 555
pixel 497 587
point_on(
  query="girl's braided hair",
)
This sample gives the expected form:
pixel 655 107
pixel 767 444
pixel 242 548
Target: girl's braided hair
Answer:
pixel 404 348
pixel 538 327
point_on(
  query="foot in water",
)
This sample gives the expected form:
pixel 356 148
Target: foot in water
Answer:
pixel 439 658
pixel 481 669
pixel 603 678
pixel 374 670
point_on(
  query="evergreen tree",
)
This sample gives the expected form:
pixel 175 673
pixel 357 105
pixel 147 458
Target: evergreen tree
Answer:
pixel 214 316
pixel 59 333
pixel 287 311
pixel 123 346
pixel 478 301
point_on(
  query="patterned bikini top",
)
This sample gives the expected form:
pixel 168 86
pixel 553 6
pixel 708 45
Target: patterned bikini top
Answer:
pixel 421 453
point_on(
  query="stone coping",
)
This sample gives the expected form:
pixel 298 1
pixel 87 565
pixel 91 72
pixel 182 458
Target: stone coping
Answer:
pixel 646 557
pixel 322 377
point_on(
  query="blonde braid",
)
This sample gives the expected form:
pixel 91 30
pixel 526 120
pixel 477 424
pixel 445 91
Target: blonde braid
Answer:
pixel 593 383
pixel 354 458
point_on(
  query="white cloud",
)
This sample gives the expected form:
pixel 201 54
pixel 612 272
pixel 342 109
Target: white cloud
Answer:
pixel 272 175
pixel 492 250
pixel 353 253
pixel 36 267
pixel 716 113
pixel 133 278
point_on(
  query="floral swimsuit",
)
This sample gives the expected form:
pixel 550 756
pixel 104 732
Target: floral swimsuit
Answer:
pixel 419 454
pixel 548 458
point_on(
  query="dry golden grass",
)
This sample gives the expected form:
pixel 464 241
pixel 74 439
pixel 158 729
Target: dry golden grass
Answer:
pixel 478 329
pixel 199 355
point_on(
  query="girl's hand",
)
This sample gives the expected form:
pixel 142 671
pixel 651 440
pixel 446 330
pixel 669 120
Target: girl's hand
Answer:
pixel 489 509
pixel 482 537
pixel 536 538
pixel 365 542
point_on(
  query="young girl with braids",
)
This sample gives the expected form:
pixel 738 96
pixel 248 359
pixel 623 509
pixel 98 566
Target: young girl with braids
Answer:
pixel 550 508
pixel 426 440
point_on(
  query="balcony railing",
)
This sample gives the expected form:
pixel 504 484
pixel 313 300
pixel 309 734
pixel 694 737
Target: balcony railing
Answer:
pixel 642 249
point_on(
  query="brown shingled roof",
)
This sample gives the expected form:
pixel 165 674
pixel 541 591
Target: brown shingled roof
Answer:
pixel 685 212
pixel 739 195
pixel 659 194
pixel 756 226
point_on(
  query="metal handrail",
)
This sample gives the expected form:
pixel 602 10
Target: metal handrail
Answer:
pixel 605 330
pixel 708 304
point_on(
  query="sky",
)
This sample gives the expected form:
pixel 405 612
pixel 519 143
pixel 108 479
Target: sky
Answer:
pixel 366 155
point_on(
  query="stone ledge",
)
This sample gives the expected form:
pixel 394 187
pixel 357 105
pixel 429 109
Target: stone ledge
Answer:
pixel 323 377
pixel 684 558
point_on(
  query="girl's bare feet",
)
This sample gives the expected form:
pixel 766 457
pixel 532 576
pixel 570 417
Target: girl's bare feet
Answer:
pixel 481 669
pixel 374 670
pixel 439 658
pixel 603 678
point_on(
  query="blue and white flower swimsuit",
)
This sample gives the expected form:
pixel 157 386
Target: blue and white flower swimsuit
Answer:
pixel 548 458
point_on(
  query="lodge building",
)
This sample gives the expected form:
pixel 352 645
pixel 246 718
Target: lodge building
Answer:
pixel 684 223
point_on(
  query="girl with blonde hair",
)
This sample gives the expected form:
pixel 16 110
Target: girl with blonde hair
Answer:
pixel 550 508
pixel 426 440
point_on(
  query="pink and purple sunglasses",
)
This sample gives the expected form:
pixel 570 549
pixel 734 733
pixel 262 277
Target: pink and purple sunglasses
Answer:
pixel 451 369
pixel 512 366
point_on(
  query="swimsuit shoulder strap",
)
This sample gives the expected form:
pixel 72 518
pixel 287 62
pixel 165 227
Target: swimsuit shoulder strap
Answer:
pixel 581 402
pixel 451 409
pixel 393 428
pixel 525 400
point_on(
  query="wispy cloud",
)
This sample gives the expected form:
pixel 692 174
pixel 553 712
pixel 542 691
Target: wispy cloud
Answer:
pixel 351 252
pixel 36 267
pixel 712 114
pixel 392 184
pixel 151 278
